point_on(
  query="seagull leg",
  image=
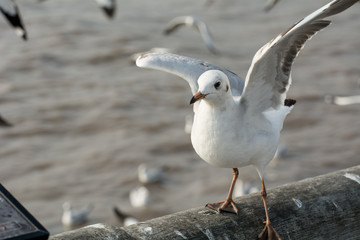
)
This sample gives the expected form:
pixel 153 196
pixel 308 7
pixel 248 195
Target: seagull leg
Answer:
pixel 268 233
pixel 228 205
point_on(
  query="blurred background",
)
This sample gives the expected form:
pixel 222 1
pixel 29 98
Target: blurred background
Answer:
pixel 85 117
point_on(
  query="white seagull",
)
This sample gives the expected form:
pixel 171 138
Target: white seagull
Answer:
pixel 139 197
pixel 150 175
pixel 12 14
pixel 195 23
pixel 108 6
pixel 342 100
pixel 235 127
pixel 74 217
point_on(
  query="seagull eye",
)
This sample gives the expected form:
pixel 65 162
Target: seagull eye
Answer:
pixel 217 85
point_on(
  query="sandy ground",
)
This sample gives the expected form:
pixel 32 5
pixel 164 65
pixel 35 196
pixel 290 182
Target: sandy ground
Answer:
pixel 85 117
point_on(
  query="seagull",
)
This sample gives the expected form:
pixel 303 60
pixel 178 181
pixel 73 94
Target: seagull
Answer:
pixel 342 101
pixel 124 218
pixel 74 217
pixel 4 122
pixel 150 175
pixel 139 197
pixel 270 4
pixel 195 23
pixel 12 14
pixel 108 6
pixel 235 127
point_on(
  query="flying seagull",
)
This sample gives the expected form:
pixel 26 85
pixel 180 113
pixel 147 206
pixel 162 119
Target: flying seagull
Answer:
pixel 108 6
pixel 12 14
pixel 195 23
pixel 235 127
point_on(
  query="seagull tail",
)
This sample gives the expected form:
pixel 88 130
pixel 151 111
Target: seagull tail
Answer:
pixel 289 102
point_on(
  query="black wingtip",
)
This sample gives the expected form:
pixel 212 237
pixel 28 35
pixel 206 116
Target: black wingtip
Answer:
pixel 289 102
pixel 110 12
pixel 4 123
pixel 24 37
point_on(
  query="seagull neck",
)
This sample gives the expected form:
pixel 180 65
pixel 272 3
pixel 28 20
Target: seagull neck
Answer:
pixel 225 102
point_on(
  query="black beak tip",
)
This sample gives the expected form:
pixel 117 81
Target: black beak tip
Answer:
pixel 193 100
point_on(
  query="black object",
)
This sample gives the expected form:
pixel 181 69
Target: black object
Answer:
pixel 16 222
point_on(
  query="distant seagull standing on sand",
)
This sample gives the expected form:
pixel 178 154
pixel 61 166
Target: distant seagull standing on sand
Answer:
pixel 235 127
pixel 139 197
pixel 270 4
pixel 4 122
pixel 195 23
pixel 74 217
pixel 342 101
pixel 150 175
pixel 12 14
pixel 108 6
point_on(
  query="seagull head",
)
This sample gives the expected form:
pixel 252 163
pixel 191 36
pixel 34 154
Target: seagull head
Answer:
pixel 214 85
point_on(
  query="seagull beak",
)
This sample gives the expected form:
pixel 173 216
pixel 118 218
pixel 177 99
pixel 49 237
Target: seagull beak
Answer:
pixel 198 96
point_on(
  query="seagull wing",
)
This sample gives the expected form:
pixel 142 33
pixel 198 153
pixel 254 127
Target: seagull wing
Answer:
pixel 8 7
pixel 12 14
pixel 187 68
pixel 195 23
pixel 175 23
pixel 206 35
pixel 268 78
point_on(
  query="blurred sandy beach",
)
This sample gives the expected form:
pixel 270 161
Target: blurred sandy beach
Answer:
pixel 85 117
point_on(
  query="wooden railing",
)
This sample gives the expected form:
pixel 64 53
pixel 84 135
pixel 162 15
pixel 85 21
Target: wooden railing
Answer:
pixel 323 207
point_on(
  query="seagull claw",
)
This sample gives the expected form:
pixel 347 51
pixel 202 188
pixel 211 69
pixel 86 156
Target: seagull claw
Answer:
pixel 269 233
pixel 224 206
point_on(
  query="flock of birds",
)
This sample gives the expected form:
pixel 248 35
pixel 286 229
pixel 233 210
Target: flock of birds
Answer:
pixel 12 14
pixel 237 122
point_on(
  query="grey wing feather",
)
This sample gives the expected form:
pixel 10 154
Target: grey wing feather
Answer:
pixel 187 68
pixel 174 24
pixel 268 78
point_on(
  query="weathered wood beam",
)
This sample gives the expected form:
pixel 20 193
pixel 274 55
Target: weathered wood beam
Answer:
pixel 323 207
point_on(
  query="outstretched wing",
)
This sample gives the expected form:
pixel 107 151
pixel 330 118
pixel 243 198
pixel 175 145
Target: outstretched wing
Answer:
pixel 176 23
pixel 187 68
pixel 268 78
